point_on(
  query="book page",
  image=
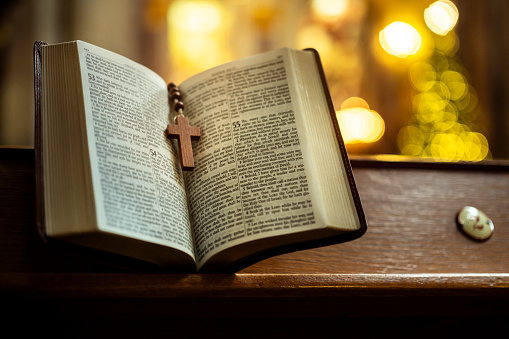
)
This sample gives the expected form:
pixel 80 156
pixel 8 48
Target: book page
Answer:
pixel 250 180
pixel 138 184
pixel 330 175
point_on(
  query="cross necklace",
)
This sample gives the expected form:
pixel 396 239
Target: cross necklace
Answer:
pixel 181 130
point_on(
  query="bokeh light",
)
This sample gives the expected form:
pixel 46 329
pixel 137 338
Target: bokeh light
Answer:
pixel 358 123
pixel 422 76
pixel 329 10
pixel 444 105
pixel 400 39
pixel 195 29
pixel 441 16
pixel 455 83
pixel 316 36
pixel 444 111
pixel 447 44
pixel 196 17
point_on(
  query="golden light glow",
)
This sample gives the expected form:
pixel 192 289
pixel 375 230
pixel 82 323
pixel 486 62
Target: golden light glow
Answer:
pixel 422 76
pixel 354 102
pixel 400 39
pixel 411 141
pixel 456 84
pixel 445 110
pixel 329 10
pixel 196 17
pixel 447 44
pixel 453 143
pixel 441 16
pixel 469 146
pixel 358 123
pixel 197 33
pixel 316 36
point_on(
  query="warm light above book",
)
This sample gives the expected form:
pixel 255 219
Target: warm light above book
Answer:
pixel 358 123
pixel 441 16
pixel 196 29
pixel 400 39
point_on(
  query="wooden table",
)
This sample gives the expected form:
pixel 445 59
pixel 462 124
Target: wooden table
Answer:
pixel 413 263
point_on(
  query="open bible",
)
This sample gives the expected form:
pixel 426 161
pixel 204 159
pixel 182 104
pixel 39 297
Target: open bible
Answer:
pixel 271 171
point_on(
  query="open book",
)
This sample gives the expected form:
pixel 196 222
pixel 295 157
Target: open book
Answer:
pixel 271 171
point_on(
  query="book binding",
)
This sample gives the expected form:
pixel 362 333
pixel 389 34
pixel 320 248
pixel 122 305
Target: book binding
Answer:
pixel 39 185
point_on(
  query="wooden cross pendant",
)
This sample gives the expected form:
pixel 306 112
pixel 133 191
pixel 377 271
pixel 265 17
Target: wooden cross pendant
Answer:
pixel 184 133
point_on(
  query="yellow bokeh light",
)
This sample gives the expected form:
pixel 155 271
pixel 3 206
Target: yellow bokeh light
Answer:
pixel 445 105
pixel 446 141
pixel 441 16
pixel 358 123
pixel 422 76
pixel 198 17
pixel 197 33
pixel 447 146
pixel 468 146
pixel 469 101
pixel 447 44
pixel 400 39
pixel 329 10
pixel 429 107
pixel 411 141
pixel 316 36
pixel 456 84
pixel 354 102
pixel 476 146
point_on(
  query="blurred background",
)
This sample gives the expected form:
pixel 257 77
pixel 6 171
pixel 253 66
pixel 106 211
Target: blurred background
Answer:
pixel 413 78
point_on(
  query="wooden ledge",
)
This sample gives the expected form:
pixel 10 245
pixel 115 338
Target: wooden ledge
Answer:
pixel 68 285
pixel 402 162
pixel 247 296
pixel 412 261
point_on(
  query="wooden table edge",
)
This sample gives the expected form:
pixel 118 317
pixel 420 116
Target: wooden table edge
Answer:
pixel 65 285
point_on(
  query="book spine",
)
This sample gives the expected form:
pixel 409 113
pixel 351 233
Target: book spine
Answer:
pixel 39 185
pixel 343 152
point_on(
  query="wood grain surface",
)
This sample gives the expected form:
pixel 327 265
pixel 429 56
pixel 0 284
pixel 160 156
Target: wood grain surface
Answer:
pixel 412 254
